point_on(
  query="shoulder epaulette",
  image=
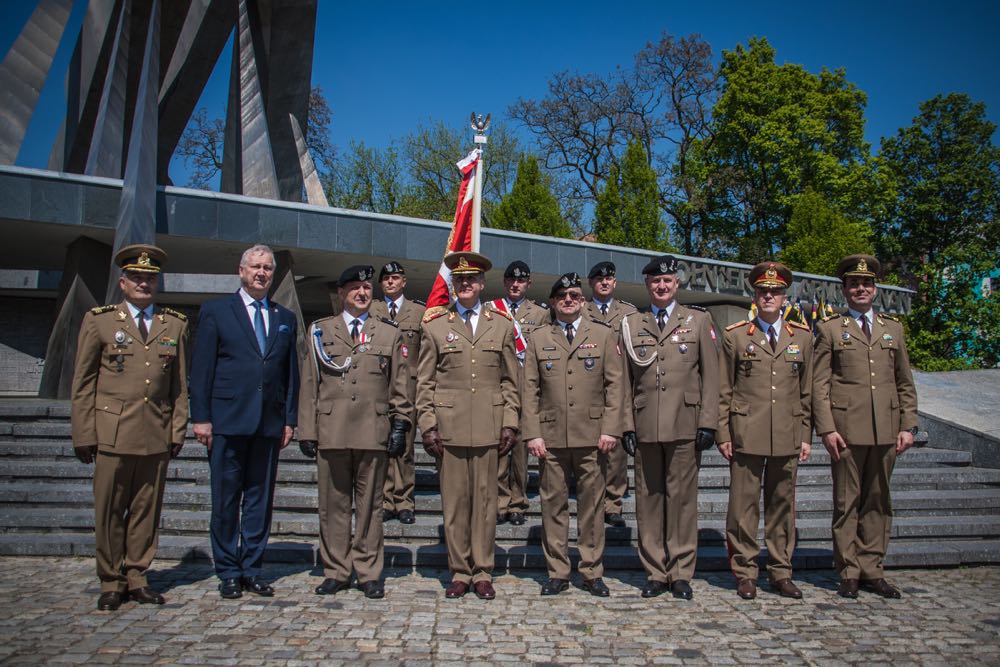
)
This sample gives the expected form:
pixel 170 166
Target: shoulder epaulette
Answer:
pixel 887 316
pixel 737 324
pixel 388 321
pixel 540 304
pixel 176 313
pixel 104 309
pixel 830 317
pixel 627 303
pixel 692 307
pixel 501 312
pixel 799 325
pixel 325 319
pixel 434 313
pixel 419 302
pixel 601 322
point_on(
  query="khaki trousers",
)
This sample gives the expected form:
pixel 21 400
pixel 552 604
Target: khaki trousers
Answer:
pixel 400 479
pixel 346 475
pixel 512 480
pixel 557 467
pixel 128 498
pixel 615 465
pixel 469 501
pixel 666 504
pixel 862 510
pixel 747 474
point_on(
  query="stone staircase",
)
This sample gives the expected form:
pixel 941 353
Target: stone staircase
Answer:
pixel 947 512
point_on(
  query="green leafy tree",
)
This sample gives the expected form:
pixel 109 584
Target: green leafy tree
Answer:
pixel 530 205
pixel 819 236
pixel 365 178
pixel 627 212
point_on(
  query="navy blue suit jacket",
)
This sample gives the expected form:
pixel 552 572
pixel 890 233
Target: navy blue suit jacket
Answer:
pixel 235 387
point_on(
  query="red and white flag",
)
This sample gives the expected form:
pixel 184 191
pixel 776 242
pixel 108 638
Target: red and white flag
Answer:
pixel 461 235
pixel 520 345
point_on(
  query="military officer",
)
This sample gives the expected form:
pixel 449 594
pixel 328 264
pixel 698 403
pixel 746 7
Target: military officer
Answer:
pixel 606 308
pixel 865 409
pixel 129 416
pixel 397 498
pixel 673 377
pixel 571 411
pixel 764 430
pixel 467 410
pixel 354 411
pixel 512 479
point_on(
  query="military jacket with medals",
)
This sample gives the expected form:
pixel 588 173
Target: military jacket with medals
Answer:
pixel 765 396
pixel 350 390
pixel 408 320
pixel 467 388
pixel 616 311
pixel 863 390
pixel 130 396
pixel 572 392
pixel 672 375
pixel 530 315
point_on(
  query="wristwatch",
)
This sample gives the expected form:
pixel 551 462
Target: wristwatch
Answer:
pixel 913 431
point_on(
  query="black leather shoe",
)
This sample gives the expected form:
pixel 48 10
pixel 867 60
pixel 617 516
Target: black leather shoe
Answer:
pixel 230 589
pixel 654 588
pixel 848 588
pixel 614 519
pixel 258 586
pixel 111 600
pixel 374 590
pixel 502 518
pixel 331 586
pixel 388 515
pixel 406 516
pixel 554 586
pixel 516 519
pixel 596 587
pixel 146 595
pixel 681 589
pixel 881 587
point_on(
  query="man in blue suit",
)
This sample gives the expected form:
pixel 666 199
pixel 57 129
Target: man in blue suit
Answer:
pixel 244 404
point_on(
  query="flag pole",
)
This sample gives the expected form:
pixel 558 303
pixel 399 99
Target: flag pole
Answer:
pixel 480 125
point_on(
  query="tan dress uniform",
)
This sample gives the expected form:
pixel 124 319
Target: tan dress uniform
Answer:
pixel 512 473
pixel 572 393
pixel 863 390
pixel 347 412
pixel 400 476
pixel 764 411
pixel 615 462
pixel 672 397
pixel 129 399
pixel 467 389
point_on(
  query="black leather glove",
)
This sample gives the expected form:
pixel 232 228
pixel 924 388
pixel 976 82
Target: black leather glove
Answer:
pixel 175 449
pixel 396 444
pixel 508 438
pixel 86 454
pixel 704 439
pixel 308 448
pixel 432 443
pixel 629 441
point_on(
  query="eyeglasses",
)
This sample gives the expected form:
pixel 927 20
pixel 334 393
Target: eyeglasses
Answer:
pixel 571 296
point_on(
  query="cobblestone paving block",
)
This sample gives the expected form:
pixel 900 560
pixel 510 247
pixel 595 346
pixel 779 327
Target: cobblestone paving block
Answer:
pixel 48 616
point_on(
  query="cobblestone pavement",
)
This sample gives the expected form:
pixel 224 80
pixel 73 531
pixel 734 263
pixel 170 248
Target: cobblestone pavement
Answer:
pixel 48 615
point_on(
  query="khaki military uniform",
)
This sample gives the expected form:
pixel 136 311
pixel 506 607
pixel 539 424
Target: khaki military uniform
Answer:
pixel 129 399
pixel 615 462
pixel 347 412
pixel 572 394
pixel 400 479
pixel 467 389
pixel 863 390
pixel 673 396
pixel 764 411
pixel 512 473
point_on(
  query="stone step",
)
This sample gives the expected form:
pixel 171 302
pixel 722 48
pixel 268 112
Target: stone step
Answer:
pixel 298 498
pixel 710 558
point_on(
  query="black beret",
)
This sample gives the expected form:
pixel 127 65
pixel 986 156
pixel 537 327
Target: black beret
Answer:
pixel 517 269
pixel 565 281
pixel 661 265
pixel 360 272
pixel 391 267
pixel 602 269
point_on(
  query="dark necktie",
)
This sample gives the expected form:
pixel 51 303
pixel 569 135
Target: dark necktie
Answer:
pixel 569 332
pixel 468 322
pixel 604 309
pixel 513 309
pixel 355 329
pixel 392 311
pixel 258 325
pixel 660 322
pixel 865 329
pixel 143 330
pixel 772 339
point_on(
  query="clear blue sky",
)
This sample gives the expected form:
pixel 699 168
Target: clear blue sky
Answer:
pixel 385 66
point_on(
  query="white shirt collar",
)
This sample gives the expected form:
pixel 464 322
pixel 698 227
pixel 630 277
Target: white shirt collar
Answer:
pixel 462 309
pixel 575 323
pixel 398 302
pixel 669 310
pixel 765 327
pixel 599 303
pixel 248 300
pixel 134 311
pixel 348 318
pixel 856 315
